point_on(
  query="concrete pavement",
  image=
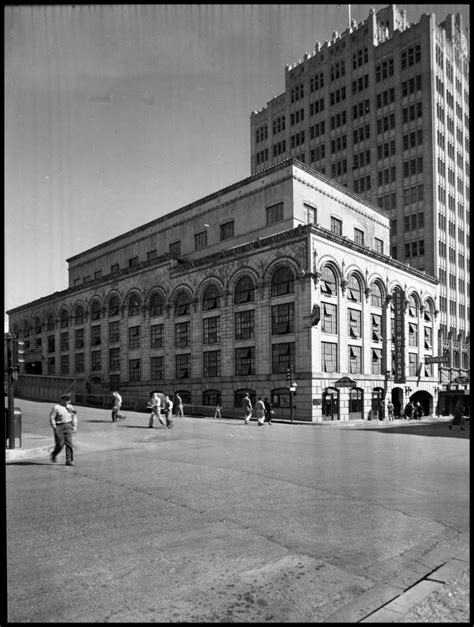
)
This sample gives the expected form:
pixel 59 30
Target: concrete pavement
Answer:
pixel 385 603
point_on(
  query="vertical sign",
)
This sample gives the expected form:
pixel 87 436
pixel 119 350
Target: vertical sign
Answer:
pixel 399 331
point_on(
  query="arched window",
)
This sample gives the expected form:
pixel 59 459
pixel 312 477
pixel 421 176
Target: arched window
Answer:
pixel 353 289
pixel 412 308
pixel 376 299
pixel 211 298
pixel 50 323
pixel 244 291
pixel 283 282
pixel 181 304
pixel 64 319
pixel 114 305
pixel 37 325
pixel 239 397
pixel 79 317
pixel 133 305
pixel 156 305
pixel 328 281
pixel 95 310
pixel 210 398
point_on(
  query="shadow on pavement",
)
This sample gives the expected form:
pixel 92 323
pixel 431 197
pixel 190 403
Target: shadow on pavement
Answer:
pixel 436 431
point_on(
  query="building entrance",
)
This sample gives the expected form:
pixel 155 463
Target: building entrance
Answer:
pixel 331 404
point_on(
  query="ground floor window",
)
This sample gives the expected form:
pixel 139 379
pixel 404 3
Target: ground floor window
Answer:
pixel 211 398
pixel 356 404
pixel 330 404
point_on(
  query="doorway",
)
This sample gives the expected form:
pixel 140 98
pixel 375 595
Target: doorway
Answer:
pixel 331 404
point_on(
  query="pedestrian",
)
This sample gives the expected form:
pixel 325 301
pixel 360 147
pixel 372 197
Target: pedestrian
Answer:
pixel 179 407
pixel 247 405
pixel 390 410
pixel 260 411
pixel 168 412
pixel 63 420
pixel 418 411
pixel 458 416
pixel 381 410
pixel 217 413
pixel 155 406
pixel 268 411
pixel 116 415
pixel 408 412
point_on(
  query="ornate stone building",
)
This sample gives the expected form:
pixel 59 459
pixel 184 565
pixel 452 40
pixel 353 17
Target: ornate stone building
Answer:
pixel 285 269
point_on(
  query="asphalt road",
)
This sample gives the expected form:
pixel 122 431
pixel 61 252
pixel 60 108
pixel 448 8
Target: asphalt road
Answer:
pixel 220 522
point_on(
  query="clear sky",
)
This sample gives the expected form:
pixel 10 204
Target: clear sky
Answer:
pixel 118 114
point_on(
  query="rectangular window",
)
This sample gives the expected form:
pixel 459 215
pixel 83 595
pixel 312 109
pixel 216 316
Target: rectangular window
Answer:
pixel 311 214
pixel 245 360
pixel 114 268
pixel 328 357
pixel 211 330
pixel 175 247
pixel 275 213
pixel 283 355
pixel 379 245
pixel 428 338
pixel 134 337
pixel 64 364
pixel 359 237
pixel 354 318
pixel 183 366
pixel 376 361
pixel 227 230
pixel 95 335
pixel 283 319
pixel 156 336
pixel 376 328
pixel 336 226
pixel 412 334
pixel 200 240
pixel 181 334
pixel 211 364
pixel 134 369
pixel 329 318
pixel 412 361
pixel 355 363
pixel 151 254
pixel 95 360
pixel 79 338
pixel 64 341
pixel 133 261
pixel 114 359
pixel 51 344
pixel 157 367
pixel 114 335
pixel 244 324
pixel 79 365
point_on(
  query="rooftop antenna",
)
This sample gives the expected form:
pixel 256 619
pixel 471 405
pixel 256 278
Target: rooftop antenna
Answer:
pixel 349 12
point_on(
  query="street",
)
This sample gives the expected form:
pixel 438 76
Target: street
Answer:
pixel 214 521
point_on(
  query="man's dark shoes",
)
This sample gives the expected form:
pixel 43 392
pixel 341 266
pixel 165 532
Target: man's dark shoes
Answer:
pixel 69 463
pixel 53 458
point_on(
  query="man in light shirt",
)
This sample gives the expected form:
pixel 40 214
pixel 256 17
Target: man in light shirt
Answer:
pixel 63 420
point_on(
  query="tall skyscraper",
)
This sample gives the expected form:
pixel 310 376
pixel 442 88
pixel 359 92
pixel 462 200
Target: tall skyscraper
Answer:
pixel 383 108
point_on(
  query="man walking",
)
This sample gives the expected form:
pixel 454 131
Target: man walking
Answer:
pixel 260 411
pixel 247 405
pixel 168 412
pixel 116 415
pixel 179 407
pixel 63 420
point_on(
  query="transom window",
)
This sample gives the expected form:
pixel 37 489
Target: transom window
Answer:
pixel 156 305
pixel 244 291
pixel 376 295
pixel 181 304
pixel 114 306
pixel 211 298
pixel 353 289
pixel 283 282
pixel 95 310
pixel 133 305
pixel 328 281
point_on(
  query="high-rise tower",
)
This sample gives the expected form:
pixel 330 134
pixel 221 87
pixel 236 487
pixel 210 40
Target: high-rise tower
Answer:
pixel 383 109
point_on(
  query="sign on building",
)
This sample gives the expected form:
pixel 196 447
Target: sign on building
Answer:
pixel 399 332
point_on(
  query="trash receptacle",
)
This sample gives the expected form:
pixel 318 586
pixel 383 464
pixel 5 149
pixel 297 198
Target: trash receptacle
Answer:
pixel 16 426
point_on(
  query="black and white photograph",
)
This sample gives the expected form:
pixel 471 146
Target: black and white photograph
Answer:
pixel 221 217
